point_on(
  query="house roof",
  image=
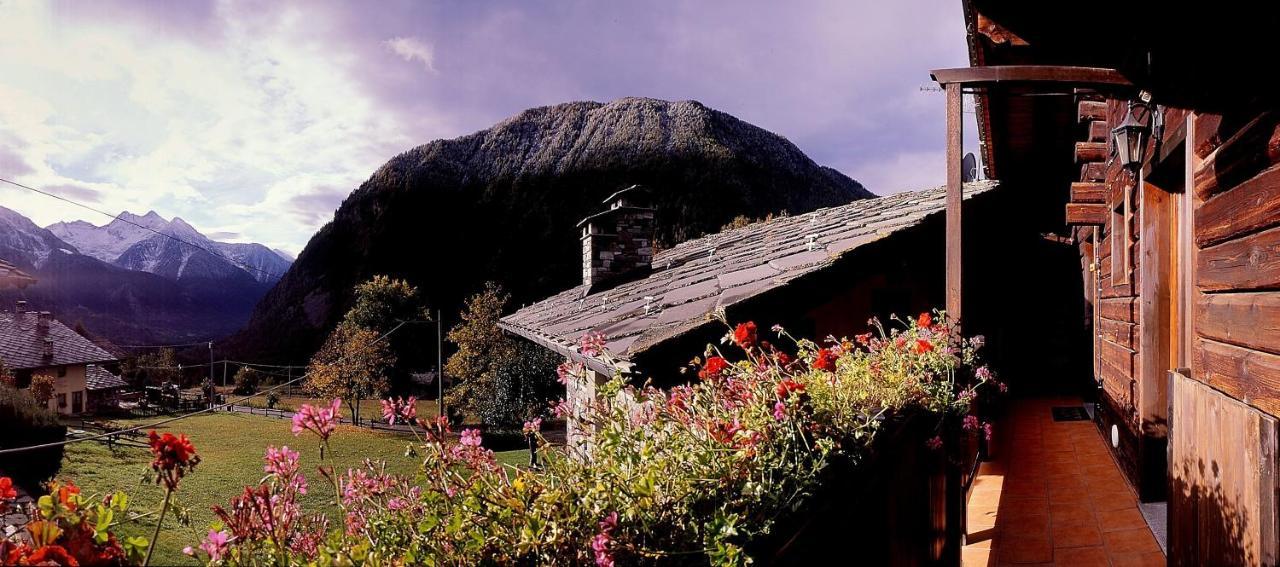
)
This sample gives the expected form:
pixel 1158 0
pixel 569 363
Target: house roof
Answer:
pixel 21 344
pixel 10 275
pixel 99 378
pixel 690 281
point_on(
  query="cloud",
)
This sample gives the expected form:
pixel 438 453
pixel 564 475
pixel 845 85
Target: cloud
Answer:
pixel 223 235
pixel 12 165
pixel 412 49
pixel 317 206
pixel 76 192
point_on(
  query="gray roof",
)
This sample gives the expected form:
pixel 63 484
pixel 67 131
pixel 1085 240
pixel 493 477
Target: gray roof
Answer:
pixel 690 281
pixel 99 378
pixel 21 345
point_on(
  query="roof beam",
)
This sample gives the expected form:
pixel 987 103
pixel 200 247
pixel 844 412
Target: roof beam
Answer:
pixel 1093 77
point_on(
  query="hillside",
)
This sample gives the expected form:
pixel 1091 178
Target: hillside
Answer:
pixel 501 204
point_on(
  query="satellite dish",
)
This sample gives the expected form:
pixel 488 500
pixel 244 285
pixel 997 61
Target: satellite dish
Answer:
pixel 969 167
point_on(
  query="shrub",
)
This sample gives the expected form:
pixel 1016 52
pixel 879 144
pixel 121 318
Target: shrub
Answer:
pixel 247 381
pixel 25 422
pixel 701 474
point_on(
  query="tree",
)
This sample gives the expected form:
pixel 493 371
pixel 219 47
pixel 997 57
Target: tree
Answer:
pixel 382 303
pixel 352 365
pixel 6 377
pixel 152 368
pixel 496 379
pixel 42 387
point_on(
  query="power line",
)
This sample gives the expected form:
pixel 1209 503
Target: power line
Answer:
pixel 177 345
pixel 169 236
pixel 212 408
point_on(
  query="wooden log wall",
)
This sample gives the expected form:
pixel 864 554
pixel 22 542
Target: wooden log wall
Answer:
pixel 1223 432
pixel 1237 267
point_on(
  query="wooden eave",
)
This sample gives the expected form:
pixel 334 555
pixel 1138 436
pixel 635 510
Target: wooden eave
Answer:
pixel 1056 75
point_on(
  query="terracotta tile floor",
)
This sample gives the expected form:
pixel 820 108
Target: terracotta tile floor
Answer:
pixel 1053 496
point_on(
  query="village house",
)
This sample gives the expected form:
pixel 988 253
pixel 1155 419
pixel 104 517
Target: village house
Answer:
pixel 34 343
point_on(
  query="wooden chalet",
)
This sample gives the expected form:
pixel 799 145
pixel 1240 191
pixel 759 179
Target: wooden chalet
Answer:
pixel 1152 131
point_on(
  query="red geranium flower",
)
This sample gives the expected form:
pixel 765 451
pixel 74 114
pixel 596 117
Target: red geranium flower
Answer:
pixel 925 320
pixel 51 555
pixel 923 346
pixel 713 368
pixel 825 360
pixel 787 386
pixel 7 492
pixel 174 457
pixel 745 335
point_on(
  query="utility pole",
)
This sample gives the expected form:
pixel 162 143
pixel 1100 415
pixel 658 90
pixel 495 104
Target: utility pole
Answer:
pixel 209 394
pixel 440 360
pixel 224 373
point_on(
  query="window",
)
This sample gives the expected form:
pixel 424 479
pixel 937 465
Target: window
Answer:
pixel 1122 240
pixel 77 401
pixel 62 401
pixel 62 371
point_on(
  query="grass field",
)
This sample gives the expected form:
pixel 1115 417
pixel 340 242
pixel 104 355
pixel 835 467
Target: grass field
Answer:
pixel 231 448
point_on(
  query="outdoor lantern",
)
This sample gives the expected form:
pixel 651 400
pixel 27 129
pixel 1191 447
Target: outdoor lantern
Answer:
pixel 1130 139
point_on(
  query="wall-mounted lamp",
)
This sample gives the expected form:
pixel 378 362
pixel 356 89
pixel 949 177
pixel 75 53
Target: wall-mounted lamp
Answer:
pixel 1130 137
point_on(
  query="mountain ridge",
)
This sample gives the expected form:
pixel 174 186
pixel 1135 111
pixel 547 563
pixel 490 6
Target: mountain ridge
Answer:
pixel 501 204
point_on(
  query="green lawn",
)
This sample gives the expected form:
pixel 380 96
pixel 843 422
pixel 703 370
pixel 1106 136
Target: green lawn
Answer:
pixel 231 448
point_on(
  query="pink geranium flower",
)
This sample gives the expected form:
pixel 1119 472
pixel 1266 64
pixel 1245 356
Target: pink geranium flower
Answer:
pixel 470 437
pixel 321 421
pixel 400 409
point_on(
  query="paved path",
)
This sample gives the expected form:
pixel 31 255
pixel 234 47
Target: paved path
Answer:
pixel 1054 496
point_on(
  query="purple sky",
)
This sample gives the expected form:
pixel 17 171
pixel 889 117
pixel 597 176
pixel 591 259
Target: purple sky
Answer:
pixel 254 120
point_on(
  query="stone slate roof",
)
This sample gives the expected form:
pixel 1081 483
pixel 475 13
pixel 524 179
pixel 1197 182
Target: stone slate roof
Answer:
pixel 10 275
pixel 692 280
pixel 21 345
pixel 99 378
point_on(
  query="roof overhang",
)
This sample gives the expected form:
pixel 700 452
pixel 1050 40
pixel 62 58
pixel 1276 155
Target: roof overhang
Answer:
pixel 570 352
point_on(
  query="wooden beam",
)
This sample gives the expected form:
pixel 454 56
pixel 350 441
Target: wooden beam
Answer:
pixel 1088 192
pixel 1093 171
pixel 1250 320
pixel 955 197
pixel 1249 263
pixel 1099 132
pixel 1090 111
pixel 1251 206
pixel 1090 152
pixel 1067 76
pixel 1087 214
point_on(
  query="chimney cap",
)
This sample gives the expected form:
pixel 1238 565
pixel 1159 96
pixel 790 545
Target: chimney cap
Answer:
pixel 636 190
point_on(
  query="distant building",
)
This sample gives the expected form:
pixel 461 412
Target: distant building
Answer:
pixel 34 343
pixel 102 386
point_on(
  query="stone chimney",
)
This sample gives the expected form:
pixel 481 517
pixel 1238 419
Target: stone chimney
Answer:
pixel 42 323
pixel 18 309
pixel 47 352
pixel 617 243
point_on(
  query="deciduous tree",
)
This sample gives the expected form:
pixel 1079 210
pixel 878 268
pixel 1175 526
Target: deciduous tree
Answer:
pixel 382 303
pixel 42 387
pixel 496 379
pixel 351 365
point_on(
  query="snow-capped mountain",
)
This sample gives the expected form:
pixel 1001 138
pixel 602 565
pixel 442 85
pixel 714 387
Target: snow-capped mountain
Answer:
pixel 154 290
pixel 188 254
pixel 24 243
pixel 109 241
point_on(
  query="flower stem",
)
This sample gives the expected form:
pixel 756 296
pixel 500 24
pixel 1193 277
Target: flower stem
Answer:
pixel 156 536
